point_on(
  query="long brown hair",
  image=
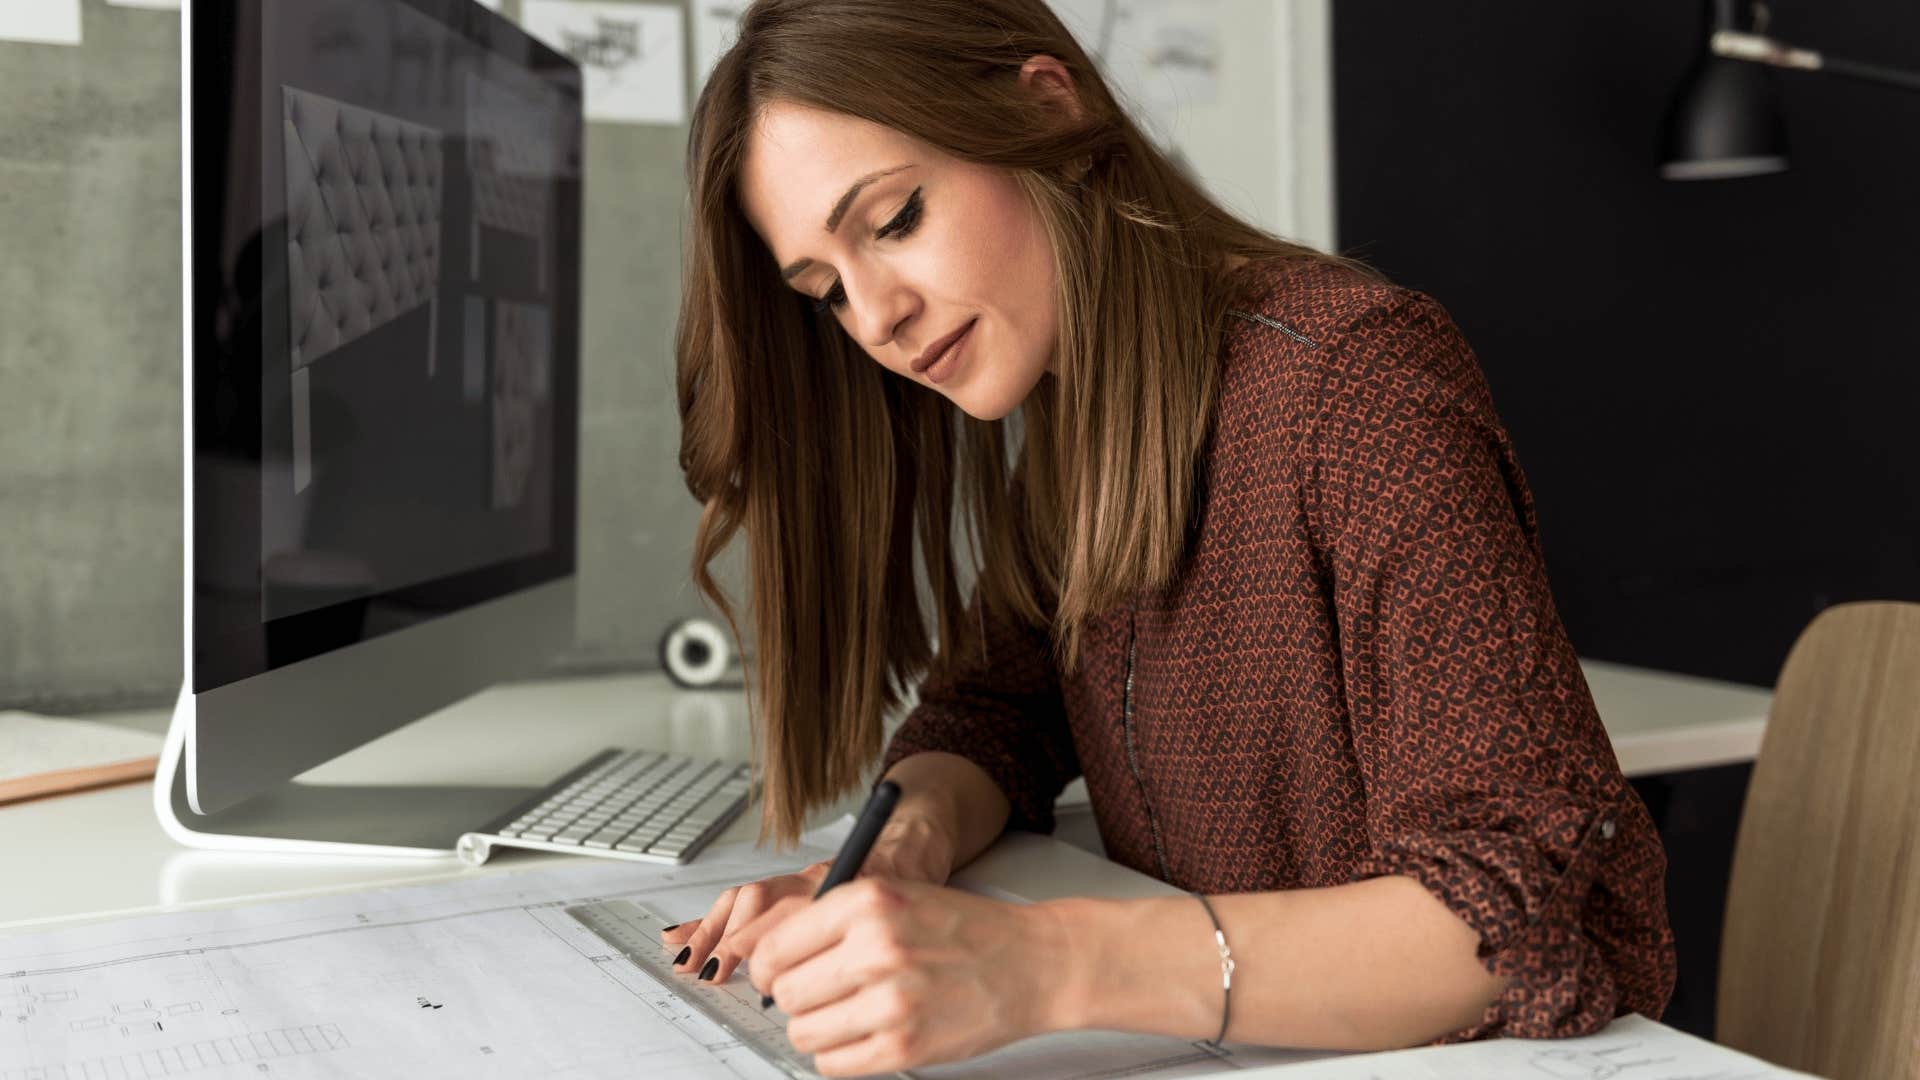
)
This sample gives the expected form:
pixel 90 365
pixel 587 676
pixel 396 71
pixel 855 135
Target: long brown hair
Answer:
pixel 833 468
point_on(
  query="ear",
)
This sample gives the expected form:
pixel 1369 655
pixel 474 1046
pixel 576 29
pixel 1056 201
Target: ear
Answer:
pixel 1051 79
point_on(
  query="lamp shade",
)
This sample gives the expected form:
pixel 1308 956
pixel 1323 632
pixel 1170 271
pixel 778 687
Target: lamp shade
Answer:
pixel 1724 122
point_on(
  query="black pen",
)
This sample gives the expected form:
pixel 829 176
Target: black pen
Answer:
pixel 853 850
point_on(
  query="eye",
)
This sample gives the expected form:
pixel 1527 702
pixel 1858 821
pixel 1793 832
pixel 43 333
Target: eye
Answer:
pixel 902 224
pixel 835 299
pixel 906 220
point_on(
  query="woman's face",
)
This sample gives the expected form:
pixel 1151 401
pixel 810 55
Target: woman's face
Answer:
pixel 938 268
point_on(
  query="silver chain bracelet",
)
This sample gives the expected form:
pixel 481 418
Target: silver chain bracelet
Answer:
pixel 1226 969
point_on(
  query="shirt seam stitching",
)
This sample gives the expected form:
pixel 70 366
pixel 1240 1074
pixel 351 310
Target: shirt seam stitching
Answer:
pixel 1263 320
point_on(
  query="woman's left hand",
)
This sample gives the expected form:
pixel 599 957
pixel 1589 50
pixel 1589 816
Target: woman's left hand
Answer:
pixel 882 975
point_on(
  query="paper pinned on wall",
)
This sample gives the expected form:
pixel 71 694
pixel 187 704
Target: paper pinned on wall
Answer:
pixel 633 55
pixel 715 24
pixel 1161 58
pixel 1180 47
pixel 47 22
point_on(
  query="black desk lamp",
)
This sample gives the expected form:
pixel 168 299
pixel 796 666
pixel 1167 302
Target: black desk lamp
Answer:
pixel 1724 121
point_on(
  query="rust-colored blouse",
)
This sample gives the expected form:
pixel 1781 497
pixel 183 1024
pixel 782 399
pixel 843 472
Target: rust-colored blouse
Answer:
pixel 1358 672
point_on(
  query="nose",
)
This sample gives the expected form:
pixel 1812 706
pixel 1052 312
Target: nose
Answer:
pixel 878 305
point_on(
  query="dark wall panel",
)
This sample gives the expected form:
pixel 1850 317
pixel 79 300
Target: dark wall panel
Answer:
pixel 1713 385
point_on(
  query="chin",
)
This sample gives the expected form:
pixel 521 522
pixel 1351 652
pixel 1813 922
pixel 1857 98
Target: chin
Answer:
pixel 994 410
pixel 989 398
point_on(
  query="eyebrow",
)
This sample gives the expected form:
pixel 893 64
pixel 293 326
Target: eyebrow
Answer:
pixel 799 266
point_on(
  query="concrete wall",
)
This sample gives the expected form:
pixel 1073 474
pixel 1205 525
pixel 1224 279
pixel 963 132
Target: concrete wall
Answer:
pixel 90 329
pixel 90 362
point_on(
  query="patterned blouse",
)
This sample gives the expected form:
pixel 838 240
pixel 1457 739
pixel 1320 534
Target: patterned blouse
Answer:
pixel 1359 670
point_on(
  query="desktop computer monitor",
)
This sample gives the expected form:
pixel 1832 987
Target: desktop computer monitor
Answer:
pixel 381 249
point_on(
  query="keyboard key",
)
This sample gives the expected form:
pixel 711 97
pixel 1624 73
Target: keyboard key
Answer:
pixel 669 849
pixel 715 805
pixel 637 802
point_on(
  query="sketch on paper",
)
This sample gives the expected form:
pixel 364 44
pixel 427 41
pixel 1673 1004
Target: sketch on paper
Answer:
pixel 147 1037
pixel 631 55
pixel 1185 61
pixel 485 975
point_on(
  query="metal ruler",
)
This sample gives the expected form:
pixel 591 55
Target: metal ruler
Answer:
pixel 733 1006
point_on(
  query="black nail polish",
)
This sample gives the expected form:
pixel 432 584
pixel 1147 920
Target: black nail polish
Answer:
pixel 675 926
pixel 682 958
pixel 712 965
pixel 766 1000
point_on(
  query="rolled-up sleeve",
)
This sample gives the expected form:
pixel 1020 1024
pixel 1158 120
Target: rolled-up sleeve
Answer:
pixel 1488 776
pixel 998 705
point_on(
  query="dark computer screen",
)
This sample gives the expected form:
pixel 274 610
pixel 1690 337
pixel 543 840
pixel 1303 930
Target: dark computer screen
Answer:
pixel 385 253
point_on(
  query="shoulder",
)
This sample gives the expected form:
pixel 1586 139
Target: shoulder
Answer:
pixel 1305 341
pixel 1325 315
pixel 1318 301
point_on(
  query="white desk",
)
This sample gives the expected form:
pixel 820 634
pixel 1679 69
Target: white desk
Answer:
pixel 1661 722
pixel 100 853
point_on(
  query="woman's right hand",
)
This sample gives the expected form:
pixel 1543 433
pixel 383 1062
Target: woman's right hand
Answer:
pixel 912 847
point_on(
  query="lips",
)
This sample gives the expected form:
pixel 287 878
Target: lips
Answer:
pixel 939 348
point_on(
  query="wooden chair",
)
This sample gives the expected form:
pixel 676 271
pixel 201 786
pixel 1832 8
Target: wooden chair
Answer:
pixel 1820 957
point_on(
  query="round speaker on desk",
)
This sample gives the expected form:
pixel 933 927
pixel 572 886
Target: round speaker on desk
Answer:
pixel 696 653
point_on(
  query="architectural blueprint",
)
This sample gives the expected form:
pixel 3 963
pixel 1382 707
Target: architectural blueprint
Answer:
pixel 1630 1048
pixel 480 976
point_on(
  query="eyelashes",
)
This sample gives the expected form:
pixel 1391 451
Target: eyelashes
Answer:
pixel 902 225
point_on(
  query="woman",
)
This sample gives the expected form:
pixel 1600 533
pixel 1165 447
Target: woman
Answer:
pixel 1254 556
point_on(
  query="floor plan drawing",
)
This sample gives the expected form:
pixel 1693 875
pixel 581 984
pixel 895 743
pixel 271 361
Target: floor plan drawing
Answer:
pixel 179 1059
pixel 480 976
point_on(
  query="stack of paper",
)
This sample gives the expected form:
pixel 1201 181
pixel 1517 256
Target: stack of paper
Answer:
pixel 41 755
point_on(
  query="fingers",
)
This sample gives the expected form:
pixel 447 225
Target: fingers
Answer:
pixel 882 1028
pixel 882 1052
pixel 829 977
pixel 712 946
pixel 751 902
pixel 739 941
pixel 878 1007
pixel 700 944
pixel 822 925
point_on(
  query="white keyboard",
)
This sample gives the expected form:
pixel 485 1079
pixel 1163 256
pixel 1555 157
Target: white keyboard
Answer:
pixel 623 804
